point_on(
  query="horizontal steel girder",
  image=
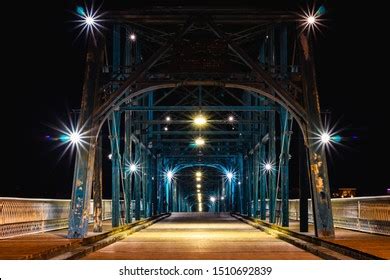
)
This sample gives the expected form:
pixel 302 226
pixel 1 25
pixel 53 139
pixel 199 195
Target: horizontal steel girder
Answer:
pixel 197 132
pixel 220 15
pixel 201 108
pixel 207 140
pixel 162 121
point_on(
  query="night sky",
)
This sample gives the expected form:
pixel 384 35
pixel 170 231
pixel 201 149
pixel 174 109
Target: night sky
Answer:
pixel 43 66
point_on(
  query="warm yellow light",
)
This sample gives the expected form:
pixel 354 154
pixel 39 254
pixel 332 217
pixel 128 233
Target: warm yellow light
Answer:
pixel 198 174
pixel 198 179
pixel 198 191
pixel 200 120
pixel 199 141
pixel 198 186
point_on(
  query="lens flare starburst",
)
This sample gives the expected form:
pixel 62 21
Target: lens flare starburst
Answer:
pixel 311 19
pixel 89 21
pixel 72 135
pixel 268 167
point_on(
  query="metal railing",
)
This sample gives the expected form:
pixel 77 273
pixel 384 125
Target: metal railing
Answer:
pixel 367 214
pixel 20 216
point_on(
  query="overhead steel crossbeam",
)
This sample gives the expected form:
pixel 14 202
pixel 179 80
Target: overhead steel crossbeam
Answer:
pixel 194 108
pixel 220 15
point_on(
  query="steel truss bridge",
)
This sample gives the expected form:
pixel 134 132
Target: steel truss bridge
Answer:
pixel 249 73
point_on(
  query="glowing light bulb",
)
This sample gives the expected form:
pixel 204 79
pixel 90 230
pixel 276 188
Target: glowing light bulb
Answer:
pixel 212 199
pixel 169 175
pixel 133 167
pixel 325 138
pixel 199 141
pixel 231 119
pixel 200 120
pixel 75 138
pixel 311 19
pixel 133 37
pixel 229 175
pixel 89 20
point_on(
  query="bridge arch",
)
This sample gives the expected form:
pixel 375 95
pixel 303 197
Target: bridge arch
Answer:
pixel 296 113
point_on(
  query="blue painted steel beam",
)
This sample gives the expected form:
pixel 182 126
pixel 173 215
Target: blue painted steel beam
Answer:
pixel 137 182
pixel 285 124
pixel 84 163
pixel 127 159
pixel 114 128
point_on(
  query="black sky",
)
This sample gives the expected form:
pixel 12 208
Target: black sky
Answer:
pixel 43 72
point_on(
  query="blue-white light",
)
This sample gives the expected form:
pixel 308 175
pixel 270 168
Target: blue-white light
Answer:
pixel 89 21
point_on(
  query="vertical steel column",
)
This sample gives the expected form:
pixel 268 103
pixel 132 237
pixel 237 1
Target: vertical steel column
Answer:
pixel 160 183
pixel 304 189
pixel 127 175
pixel 149 183
pixel 263 184
pixel 241 182
pixel 85 158
pixel 224 194
pixel 137 181
pixel 283 50
pixel 114 126
pixel 250 184
pixel 168 195
pixel 246 187
pixel 256 183
pixel 116 44
pixel 322 208
pixel 98 190
pixel 174 197
pixel 144 180
pixel 272 173
pixel 271 132
pixel 285 124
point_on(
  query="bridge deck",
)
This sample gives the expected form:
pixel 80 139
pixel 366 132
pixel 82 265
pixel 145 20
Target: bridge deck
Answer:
pixel 201 236
pixel 374 244
pixel 190 237
pixel 38 246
